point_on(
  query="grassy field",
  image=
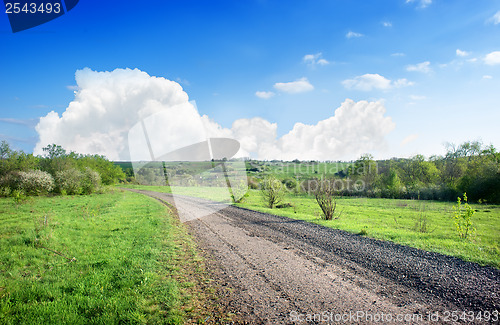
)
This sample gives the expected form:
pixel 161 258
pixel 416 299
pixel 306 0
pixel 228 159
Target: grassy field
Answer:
pixel 422 224
pixel 112 258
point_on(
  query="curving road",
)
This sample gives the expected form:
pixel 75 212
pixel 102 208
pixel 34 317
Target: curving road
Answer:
pixel 284 271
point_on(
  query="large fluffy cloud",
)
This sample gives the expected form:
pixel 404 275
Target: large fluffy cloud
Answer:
pixel 355 128
pixel 110 106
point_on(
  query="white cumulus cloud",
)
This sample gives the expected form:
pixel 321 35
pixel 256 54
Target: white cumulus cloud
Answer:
pixel 294 87
pixel 369 81
pixel 108 104
pixel 351 34
pixel 423 67
pixel 264 94
pixel 354 128
pixel 492 58
pixel 386 24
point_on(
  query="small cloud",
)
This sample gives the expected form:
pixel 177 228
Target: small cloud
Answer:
pixel 487 77
pixel 386 24
pixel 72 87
pixel 417 97
pixel 398 54
pixel 264 94
pixel 183 81
pixel 495 19
pixel 492 58
pixel 462 53
pixel 313 59
pixel 420 67
pixel 352 34
pixel 422 3
pixel 368 82
pixel 26 122
pixel 294 87
pixel 408 139
pixel 402 83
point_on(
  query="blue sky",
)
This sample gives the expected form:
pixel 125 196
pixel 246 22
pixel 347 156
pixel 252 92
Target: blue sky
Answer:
pixel 434 65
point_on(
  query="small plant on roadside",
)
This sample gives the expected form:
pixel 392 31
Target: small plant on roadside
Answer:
pixel 273 191
pixel 326 195
pixel 462 216
pixel 422 225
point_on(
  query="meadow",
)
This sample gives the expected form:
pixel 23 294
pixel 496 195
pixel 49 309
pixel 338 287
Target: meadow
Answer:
pixel 112 258
pixel 423 224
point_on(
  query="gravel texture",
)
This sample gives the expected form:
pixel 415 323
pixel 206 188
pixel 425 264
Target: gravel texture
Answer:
pixel 275 270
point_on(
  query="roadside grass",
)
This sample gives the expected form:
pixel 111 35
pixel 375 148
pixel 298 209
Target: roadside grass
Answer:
pixel 427 225
pixel 112 258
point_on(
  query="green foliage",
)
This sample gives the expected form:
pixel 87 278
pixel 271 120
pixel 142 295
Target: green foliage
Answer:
pixel 272 191
pixel 68 181
pixel 125 265
pixel 35 182
pixel 462 216
pixel 58 171
pixel 91 181
pixel 326 197
pixel 393 183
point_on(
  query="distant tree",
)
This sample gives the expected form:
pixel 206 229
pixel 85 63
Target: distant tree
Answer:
pixel 392 183
pixel 364 169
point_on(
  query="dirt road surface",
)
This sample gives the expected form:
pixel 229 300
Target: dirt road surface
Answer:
pixel 275 270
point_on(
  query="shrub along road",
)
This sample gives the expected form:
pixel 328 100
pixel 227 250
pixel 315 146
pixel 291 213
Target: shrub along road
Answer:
pixel 273 270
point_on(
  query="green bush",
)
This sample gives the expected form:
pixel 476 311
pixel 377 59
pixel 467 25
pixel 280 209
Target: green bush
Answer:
pixel 463 218
pixel 273 191
pixel 69 181
pixel 91 181
pixel 36 182
pixel 9 183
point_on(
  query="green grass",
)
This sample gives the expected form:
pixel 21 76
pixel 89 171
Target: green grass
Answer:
pixel 399 221
pixel 112 258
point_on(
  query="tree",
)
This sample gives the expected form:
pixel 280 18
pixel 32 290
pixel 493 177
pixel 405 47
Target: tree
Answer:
pixel 272 191
pixel 326 196
pixel 418 172
pixel 364 169
pixel 393 183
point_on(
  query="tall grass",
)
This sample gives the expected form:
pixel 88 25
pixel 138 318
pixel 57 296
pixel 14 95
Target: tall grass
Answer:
pixel 101 259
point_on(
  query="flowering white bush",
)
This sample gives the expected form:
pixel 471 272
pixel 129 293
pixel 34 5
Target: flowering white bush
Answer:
pixel 35 182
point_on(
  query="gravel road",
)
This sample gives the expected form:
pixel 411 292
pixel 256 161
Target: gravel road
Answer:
pixel 275 270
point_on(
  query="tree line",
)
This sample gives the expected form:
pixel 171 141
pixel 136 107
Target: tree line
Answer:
pixel 470 168
pixel 56 172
